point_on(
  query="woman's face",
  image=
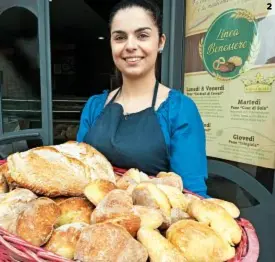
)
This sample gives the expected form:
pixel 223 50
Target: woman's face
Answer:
pixel 135 42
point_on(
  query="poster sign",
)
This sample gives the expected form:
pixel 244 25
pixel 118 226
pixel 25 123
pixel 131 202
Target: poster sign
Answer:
pixel 234 93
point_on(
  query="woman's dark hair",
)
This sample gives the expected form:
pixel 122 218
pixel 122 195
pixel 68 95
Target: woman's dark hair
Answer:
pixel 148 5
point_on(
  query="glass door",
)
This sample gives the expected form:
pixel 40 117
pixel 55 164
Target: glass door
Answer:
pixel 25 78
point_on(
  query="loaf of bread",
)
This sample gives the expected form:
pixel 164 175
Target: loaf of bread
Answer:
pixel 3 182
pixel 97 164
pixel 11 205
pixel 114 204
pixel 98 189
pixel 63 170
pixel 125 181
pixel 198 242
pixel 150 217
pixel 36 223
pixel 74 210
pixel 178 214
pixel 148 194
pixel 64 239
pixel 217 218
pixel 109 242
pixel 158 247
pixel 228 206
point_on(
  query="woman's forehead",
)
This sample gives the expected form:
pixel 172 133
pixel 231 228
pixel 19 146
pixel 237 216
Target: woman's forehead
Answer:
pixel 131 19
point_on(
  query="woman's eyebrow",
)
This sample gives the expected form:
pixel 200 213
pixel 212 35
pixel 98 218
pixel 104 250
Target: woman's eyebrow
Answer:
pixel 136 31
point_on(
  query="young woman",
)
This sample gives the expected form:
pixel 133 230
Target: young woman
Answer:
pixel 144 124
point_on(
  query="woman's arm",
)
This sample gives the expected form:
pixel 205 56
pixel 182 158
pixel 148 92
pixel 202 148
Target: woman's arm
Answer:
pixel 188 152
pixel 87 118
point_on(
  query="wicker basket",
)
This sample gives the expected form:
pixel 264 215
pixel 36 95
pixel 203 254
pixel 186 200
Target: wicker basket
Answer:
pixel 13 248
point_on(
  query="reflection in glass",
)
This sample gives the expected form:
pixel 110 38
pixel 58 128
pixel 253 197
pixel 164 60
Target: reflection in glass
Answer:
pixel 19 69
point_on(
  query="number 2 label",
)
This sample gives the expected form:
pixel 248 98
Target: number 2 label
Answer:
pixel 269 6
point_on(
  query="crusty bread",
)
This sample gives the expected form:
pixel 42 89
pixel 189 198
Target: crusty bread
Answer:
pixel 130 222
pixel 98 189
pixel 74 210
pixel 217 218
pixel 108 242
pixel 11 205
pixel 114 204
pixel 63 170
pixel 134 174
pixel 98 165
pixel 4 170
pixel 150 217
pixel 58 200
pixel 199 242
pixel 175 196
pixel 125 181
pixel 35 224
pixel 228 206
pixel 158 247
pixel 178 214
pixel 3 182
pixel 64 239
pixel 148 194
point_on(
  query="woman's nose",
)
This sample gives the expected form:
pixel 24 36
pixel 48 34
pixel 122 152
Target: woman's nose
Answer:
pixel 131 44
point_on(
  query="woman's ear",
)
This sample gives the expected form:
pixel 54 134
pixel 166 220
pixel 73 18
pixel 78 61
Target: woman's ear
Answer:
pixel 162 41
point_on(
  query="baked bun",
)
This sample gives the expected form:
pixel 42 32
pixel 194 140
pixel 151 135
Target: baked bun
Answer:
pixel 217 218
pixel 169 179
pixel 150 217
pixel 98 189
pixel 74 210
pixel 109 242
pixel 64 239
pixel 40 216
pixel 228 206
pixel 11 205
pixel 175 196
pixel 114 204
pixel 198 242
pixel 125 181
pixel 158 247
pixel 148 194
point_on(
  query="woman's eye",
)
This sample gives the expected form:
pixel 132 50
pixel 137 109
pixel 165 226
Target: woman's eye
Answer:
pixel 119 38
pixel 143 36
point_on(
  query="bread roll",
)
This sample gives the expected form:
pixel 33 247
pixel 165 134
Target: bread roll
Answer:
pixel 35 224
pixel 178 214
pixel 175 196
pixel 150 217
pixel 109 243
pixel 125 181
pixel 130 222
pixel 98 189
pixel 11 205
pixel 74 210
pixel 3 182
pixel 148 194
pixel 228 206
pixel 198 242
pixel 217 218
pixel 58 200
pixel 115 204
pixel 64 239
pixel 134 174
pixel 169 179
pixel 158 247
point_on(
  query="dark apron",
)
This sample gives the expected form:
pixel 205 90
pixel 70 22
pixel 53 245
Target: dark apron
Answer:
pixel 130 141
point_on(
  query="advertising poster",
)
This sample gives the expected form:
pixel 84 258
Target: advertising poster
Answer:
pixel 230 75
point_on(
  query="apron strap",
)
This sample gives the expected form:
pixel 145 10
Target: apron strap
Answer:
pixel 114 97
pixel 155 94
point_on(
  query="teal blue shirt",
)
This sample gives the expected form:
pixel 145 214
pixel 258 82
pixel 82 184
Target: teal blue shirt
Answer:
pixel 183 131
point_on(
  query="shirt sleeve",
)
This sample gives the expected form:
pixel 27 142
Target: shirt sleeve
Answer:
pixel 188 146
pixel 87 118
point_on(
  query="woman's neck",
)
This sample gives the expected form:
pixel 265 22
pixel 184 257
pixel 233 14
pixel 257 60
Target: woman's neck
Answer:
pixel 138 87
